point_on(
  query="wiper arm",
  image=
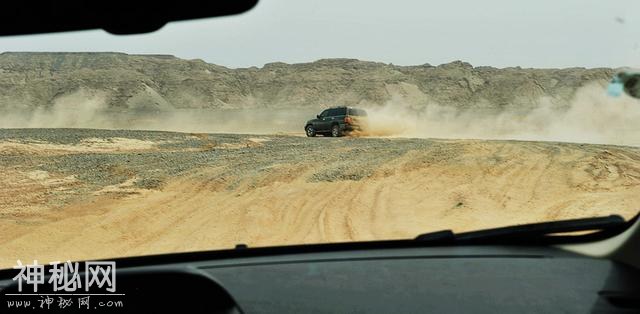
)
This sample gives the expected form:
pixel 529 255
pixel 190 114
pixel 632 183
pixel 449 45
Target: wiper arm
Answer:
pixel 535 233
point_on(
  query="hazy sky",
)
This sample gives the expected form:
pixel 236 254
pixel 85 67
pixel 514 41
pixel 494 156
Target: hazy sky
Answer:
pixel 541 33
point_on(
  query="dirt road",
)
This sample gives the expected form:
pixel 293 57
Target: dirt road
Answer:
pixel 88 194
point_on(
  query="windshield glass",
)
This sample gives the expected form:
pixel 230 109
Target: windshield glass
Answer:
pixel 207 134
pixel 357 112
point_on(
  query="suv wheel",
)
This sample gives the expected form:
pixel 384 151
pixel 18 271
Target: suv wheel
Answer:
pixel 335 131
pixel 311 132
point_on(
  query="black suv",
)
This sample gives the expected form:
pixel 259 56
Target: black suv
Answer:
pixel 336 122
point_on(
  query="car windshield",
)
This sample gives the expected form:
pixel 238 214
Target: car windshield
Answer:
pixel 206 134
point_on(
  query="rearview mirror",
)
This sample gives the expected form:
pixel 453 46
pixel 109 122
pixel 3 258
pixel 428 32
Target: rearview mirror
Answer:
pixel 115 16
pixel 627 82
pixel 318 116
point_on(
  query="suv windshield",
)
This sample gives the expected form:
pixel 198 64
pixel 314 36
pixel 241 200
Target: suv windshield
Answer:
pixel 250 129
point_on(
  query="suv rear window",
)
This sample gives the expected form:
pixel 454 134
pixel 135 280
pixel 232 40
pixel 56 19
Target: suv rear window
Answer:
pixel 357 112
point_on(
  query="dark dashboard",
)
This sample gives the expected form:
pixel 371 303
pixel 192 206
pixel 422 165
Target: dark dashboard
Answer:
pixel 476 279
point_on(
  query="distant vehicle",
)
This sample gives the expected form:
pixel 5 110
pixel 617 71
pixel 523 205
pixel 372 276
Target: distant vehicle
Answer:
pixel 337 121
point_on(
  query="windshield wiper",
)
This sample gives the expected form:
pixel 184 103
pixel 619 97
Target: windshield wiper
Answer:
pixel 543 233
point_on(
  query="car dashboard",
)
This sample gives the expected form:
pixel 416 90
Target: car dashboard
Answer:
pixel 478 279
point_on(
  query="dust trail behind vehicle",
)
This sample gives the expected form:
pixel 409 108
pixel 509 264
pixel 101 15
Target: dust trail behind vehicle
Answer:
pixel 592 117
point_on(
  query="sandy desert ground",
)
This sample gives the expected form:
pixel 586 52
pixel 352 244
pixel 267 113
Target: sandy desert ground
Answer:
pixel 90 194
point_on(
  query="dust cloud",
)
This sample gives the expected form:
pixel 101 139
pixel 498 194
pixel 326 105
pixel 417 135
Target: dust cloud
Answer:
pixel 84 109
pixel 591 117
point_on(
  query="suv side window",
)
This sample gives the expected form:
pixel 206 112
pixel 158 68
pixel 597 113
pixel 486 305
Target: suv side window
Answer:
pixel 337 112
pixel 324 114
